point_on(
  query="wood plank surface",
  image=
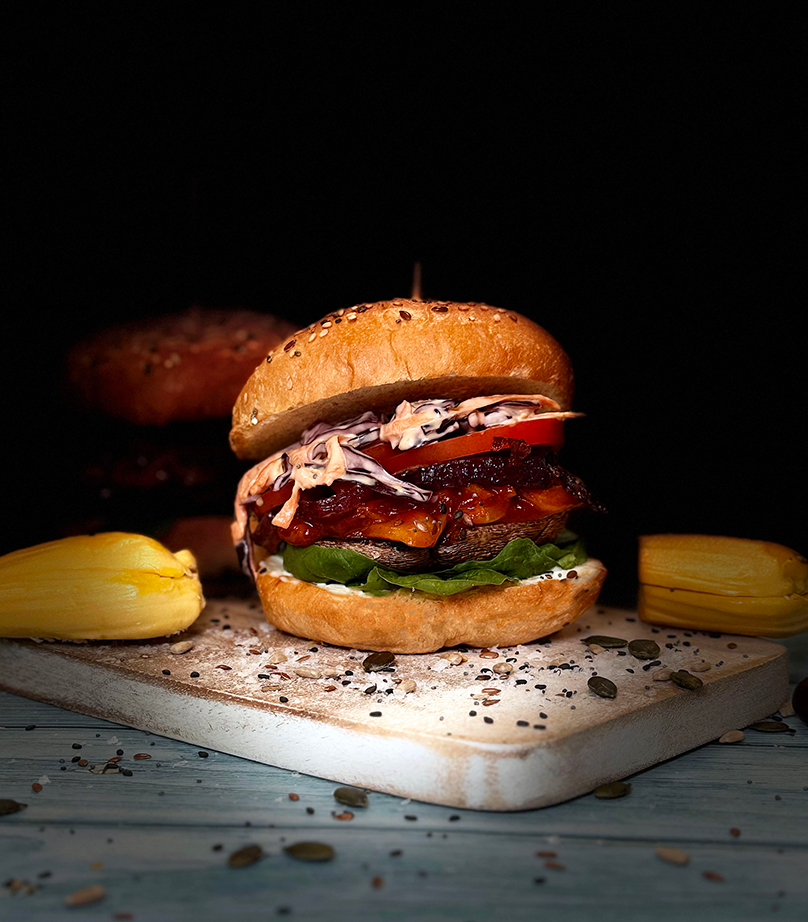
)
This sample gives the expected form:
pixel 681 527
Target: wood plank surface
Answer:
pixel 158 840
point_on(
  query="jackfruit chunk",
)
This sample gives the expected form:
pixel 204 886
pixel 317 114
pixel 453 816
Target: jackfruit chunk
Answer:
pixel 756 616
pixel 715 583
pixel 727 566
pixel 109 586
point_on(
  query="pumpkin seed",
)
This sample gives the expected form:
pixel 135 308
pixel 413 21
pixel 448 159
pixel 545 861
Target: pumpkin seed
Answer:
pixel 245 856
pixel 353 797
pixel 603 641
pixel 10 806
pixel 310 851
pixel 377 661
pixel 612 790
pixel 602 687
pixel 684 679
pixel 769 726
pixel 643 649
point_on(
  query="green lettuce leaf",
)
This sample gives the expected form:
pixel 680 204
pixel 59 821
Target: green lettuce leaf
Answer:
pixel 519 559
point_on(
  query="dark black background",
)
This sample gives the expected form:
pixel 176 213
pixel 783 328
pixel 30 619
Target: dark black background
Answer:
pixel 628 180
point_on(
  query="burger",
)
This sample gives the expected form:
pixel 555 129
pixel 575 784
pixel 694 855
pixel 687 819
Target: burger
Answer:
pixel 407 494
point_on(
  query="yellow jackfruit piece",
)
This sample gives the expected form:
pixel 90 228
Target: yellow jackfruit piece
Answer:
pixel 756 616
pixel 109 586
pixel 730 566
pixel 718 583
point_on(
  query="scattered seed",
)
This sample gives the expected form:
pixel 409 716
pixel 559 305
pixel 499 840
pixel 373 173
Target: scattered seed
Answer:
pixel 86 895
pixel 10 806
pixel 36 786
pixel 345 815
pixel 453 657
pixel 310 851
pixel 308 672
pixel 603 641
pixel 245 856
pixel 377 661
pixel 712 875
pixel 643 649
pixel 141 755
pixel 294 796
pixel 734 831
pixel 277 657
pixel 555 865
pixel 596 648
pixel 602 687
pixel 489 654
pixel 352 797
pixel 701 667
pixel 662 675
pixel 503 668
pixel 786 709
pixel 732 736
pixel 673 855
pixel 684 679
pixel 612 789
pixel 406 686
pixel 182 646
pixel 769 726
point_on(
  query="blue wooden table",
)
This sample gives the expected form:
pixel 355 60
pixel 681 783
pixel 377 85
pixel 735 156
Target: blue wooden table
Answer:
pixel 152 836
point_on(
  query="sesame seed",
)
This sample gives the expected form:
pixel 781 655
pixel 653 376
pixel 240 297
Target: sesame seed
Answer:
pixel 324 332
pixel 313 336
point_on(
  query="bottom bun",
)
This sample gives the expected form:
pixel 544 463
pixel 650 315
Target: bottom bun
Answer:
pixel 407 622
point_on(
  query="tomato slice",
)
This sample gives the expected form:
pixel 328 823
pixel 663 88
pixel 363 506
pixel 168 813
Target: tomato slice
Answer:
pixel 538 431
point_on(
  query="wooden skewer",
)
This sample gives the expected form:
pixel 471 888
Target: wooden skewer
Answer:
pixel 416 283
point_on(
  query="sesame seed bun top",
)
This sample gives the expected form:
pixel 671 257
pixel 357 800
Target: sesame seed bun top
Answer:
pixel 373 356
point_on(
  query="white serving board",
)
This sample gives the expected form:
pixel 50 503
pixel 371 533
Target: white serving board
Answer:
pixel 547 738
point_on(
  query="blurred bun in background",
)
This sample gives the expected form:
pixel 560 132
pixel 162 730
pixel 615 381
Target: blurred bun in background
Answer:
pixel 148 406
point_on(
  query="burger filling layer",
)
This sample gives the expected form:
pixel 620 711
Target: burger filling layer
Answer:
pixel 437 485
